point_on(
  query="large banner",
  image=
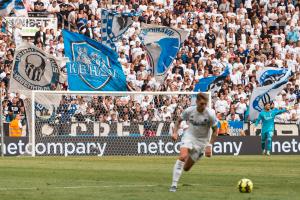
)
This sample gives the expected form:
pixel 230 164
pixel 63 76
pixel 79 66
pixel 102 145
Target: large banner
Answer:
pixel 30 25
pixel 88 129
pixel 93 66
pixel 96 129
pixel 34 69
pixel 162 44
pixel 142 146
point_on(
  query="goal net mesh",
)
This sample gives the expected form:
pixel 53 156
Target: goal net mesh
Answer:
pixel 83 123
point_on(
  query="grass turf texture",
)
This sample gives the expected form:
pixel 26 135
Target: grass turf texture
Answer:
pixel 130 178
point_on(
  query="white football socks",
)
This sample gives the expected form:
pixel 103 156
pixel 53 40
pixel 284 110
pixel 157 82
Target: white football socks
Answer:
pixel 177 171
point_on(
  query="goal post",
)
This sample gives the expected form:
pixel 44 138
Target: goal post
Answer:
pixel 65 123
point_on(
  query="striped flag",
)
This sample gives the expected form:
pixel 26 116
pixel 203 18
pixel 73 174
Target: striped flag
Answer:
pixel 114 25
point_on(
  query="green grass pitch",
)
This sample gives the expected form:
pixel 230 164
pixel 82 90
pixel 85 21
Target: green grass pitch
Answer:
pixel 141 178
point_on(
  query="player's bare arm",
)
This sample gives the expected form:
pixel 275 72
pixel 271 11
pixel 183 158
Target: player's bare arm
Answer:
pixel 176 128
pixel 208 148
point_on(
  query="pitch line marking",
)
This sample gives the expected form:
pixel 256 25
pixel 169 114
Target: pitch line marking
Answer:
pixel 83 186
pixel 76 187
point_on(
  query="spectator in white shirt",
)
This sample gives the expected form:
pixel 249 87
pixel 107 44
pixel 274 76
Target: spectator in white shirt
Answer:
pixel 18 34
pixel 235 78
pixel 241 108
pixel 53 9
pixel 122 59
pixel 221 105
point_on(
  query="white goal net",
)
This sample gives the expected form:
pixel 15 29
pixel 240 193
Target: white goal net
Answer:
pixel 105 123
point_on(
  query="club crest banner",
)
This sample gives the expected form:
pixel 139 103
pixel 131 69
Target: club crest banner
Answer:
pixel 33 69
pixel 93 66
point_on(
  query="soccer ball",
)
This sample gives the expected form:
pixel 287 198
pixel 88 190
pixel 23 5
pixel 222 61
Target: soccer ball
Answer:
pixel 245 185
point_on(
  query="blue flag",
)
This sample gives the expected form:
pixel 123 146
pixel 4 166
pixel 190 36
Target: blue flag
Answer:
pixel 162 44
pixel 6 7
pixel 93 66
pixel 114 25
pixel 270 75
pixel 212 83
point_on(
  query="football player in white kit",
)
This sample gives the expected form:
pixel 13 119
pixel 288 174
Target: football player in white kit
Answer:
pixel 197 139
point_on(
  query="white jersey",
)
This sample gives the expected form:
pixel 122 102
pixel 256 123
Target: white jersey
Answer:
pixel 199 124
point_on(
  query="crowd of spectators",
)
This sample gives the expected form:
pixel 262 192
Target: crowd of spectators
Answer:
pixel 245 35
pixel 120 108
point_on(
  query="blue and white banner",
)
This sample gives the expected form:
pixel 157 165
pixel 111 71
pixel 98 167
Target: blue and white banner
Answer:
pixel 265 94
pixel 34 69
pixel 114 25
pixel 162 44
pixel 6 7
pixel 270 75
pixel 93 66
pixel 20 9
pixel 212 83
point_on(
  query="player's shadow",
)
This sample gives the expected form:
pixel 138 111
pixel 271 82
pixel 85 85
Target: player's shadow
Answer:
pixel 187 185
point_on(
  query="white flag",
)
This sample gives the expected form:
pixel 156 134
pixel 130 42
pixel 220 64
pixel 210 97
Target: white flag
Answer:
pixel 34 69
pixel 266 94
pixel 162 44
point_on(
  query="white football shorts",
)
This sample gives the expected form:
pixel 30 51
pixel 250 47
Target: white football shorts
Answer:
pixel 196 147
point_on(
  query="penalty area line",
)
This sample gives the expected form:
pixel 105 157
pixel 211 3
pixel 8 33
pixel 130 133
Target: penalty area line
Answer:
pixel 77 187
pixel 88 186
